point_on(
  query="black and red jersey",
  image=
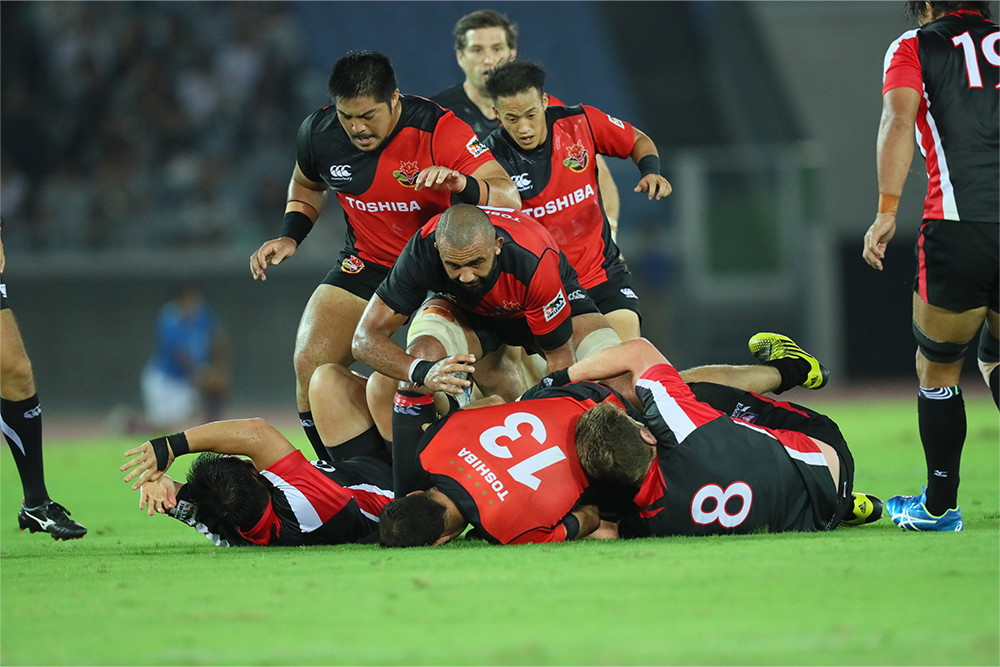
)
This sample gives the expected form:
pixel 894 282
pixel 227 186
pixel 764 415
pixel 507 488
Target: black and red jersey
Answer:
pixel 312 502
pixel 528 281
pixel 557 181
pixel 719 473
pixel 456 100
pixel 512 469
pixel 952 62
pixel 375 189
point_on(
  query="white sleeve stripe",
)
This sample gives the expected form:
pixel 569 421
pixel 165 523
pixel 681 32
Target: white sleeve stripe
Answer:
pixel 810 458
pixel 305 513
pixel 370 516
pixel 891 51
pixel 370 488
pixel 674 417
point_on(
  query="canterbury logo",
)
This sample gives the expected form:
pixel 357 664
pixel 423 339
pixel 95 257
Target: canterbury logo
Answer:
pixel 340 172
pixel 576 295
pixel 522 181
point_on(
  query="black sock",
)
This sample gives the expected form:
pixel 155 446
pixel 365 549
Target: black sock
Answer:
pixel 410 411
pixel 941 415
pixel 793 372
pixel 994 383
pixel 22 426
pixel 369 442
pixel 309 426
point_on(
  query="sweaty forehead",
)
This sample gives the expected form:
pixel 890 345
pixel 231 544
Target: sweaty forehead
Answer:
pixel 479 249
pixel 522 102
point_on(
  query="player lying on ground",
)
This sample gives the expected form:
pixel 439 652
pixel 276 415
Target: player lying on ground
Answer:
pixel 276 497
pixel 707 458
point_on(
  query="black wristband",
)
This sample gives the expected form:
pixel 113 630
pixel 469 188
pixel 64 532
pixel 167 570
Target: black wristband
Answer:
pixel 178 444
pixel 296 226
pixel 161 451
pixel 572 525
pixel 419 371
pixel 470 194
pixel 556 378
pixel 648 164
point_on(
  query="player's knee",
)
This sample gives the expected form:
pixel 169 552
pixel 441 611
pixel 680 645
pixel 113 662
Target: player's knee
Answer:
pixel 17 381
pixel 988 353
pixel 939 352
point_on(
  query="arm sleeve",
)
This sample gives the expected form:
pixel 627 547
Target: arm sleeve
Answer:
pixel 304 149
pixel 456 146
pixel 612 136
pixel 557 533
pixel 901 67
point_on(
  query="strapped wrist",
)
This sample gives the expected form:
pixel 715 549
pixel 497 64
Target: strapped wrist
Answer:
pixel 648 164
pixel 178 444
pixel 470 193
pixel 296 226
pixel 418 371
pixel 887 203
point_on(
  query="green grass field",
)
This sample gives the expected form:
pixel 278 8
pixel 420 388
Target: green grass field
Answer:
pixel 150 591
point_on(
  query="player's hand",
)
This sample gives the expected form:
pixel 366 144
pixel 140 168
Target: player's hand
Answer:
pixel 608 530
pixel 440 378
pixel 440 178
pixel 877 238
pixel 273 252
pixel 143 465
pixel 158 496
pixel 655 185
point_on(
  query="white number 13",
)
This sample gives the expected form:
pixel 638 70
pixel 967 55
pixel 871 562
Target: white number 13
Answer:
pixel 523 472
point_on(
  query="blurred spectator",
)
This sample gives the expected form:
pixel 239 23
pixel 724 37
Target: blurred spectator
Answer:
pixel 188 376
pixel 128 109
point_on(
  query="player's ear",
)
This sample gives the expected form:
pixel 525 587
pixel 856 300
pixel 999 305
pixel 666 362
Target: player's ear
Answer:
pixel 646 436
pixel 499 242
pixel 394 100
pixel 545 101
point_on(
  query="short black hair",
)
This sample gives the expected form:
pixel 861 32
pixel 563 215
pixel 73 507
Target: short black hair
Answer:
pixel 228 488
pixel 514 77
pixel 362 74
pixel 411 521
pixel 915 8
pixel 484 18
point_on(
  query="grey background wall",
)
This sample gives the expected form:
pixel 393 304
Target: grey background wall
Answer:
pixel 696 76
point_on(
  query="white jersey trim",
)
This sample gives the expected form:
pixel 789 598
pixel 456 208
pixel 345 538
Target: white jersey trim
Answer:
pixel 673 415
pixel 307 516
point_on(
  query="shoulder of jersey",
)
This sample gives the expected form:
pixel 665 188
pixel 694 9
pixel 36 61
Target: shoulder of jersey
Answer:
pixel 420 112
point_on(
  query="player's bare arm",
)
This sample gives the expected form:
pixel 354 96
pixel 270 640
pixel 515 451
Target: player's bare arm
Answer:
pixel 373 345
pixel 254 438
pixel 894 154
pixel 305 198
pixel 646 157
pixel 559 357
pixel 634 356
pixel 493 185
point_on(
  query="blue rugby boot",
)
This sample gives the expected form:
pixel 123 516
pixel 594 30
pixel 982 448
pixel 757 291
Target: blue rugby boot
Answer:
pixel 910 513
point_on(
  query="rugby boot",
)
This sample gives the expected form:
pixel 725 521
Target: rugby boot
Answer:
pixel 770 346
pixel 910 513
pixel 866 509
pixel 52 518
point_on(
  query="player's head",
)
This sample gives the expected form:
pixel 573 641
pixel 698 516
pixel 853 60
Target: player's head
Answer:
pixel 517 89
pixel 228 488
pixel 483 39
pixel 363 88
pixel 468 245
pixel 415 520
pixel 611 447
pixel 924 12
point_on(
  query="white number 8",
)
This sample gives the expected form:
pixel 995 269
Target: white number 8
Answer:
pixel 718 513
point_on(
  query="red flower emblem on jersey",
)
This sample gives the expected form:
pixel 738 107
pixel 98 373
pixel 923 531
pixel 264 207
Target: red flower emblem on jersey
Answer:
pixel 407 173
pixel 577 157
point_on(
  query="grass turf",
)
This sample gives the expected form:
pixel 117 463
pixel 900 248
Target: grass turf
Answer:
pixel 142 590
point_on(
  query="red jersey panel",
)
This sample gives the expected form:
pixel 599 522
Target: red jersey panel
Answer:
pixel 512 469
pixel 558 183
pixel 952 62
pixel 375 189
